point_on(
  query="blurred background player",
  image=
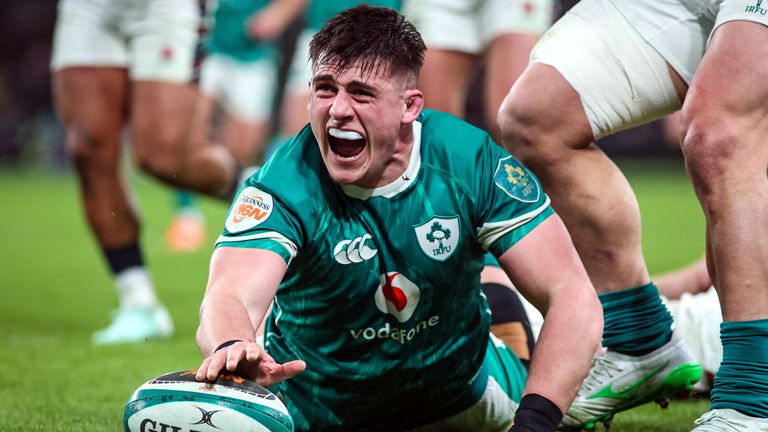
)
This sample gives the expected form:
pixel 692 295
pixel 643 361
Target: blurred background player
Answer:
pixel 130 63
pixel 294 115
pixel 610 65
pixel 238 81
pixel 464 37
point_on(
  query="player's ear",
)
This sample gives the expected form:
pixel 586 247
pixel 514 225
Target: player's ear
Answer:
pixel 414 103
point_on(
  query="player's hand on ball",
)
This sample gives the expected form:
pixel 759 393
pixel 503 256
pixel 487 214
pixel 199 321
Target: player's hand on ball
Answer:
pixel 249 360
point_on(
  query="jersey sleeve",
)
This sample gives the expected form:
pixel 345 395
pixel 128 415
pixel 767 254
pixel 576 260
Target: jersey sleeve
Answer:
pixel 258 219
pixel 511 200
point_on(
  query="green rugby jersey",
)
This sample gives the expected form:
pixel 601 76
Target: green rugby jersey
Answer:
pixel 382 293
pixel 229 35
pixel 320 11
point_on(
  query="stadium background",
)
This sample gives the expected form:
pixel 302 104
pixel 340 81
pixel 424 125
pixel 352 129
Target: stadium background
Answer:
pixel 55 289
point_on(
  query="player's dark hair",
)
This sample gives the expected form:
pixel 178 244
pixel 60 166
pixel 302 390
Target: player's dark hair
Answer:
pixel 373 38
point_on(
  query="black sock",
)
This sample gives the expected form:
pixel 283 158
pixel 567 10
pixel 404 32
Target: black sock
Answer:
pixel 124 257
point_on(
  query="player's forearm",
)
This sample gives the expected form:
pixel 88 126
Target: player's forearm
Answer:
pixel 568 341
pixel 222 318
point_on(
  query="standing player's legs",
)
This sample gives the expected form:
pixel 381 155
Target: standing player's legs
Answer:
pixel 91 104
pixel 446 91
pixel 727 158
pixel 579 88
pixel 91 89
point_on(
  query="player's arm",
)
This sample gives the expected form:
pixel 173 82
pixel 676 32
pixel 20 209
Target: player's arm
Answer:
pixel 241 285
pixel 270 22
pixel 546 269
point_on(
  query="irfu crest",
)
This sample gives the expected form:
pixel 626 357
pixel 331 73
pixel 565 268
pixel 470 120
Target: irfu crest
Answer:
pixel 438 237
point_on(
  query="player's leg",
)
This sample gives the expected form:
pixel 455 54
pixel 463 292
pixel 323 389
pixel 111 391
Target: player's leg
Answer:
pixel 727 158
pixel 495 411
pixel 90 86
pixel 578 89
pixel 511 28
pixel 163 100
pixel 449 30
pixel 294 114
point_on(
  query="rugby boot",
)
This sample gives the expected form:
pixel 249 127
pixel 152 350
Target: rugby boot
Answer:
pixel 618 382
pixel 729 420
pixel 186 233
pixel 136 324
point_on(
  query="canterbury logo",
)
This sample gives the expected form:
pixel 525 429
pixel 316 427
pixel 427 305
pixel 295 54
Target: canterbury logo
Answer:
pixel 354 251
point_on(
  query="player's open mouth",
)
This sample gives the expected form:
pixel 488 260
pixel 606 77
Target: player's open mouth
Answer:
pixel 345 144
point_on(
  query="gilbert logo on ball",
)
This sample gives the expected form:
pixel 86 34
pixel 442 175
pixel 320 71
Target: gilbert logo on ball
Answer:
pixel 176 402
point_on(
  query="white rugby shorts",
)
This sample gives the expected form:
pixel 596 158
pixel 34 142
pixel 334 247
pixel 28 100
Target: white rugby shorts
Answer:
pixel 470 25
pixel 300 71
pixel 614 53
pixel 154 39
pixel 245 90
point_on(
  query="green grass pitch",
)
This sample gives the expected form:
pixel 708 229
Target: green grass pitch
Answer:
pixel 56 292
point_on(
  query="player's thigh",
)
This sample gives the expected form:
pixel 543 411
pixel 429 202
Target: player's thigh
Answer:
pixel 543 113
pixel 506 59
pixel 729 95
pixel 161 117
pixel 620 79
pixel 446 91
pixel 91 102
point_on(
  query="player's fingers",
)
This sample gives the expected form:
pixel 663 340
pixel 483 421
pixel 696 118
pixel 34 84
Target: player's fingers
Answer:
pixel 215 365
pixel 235 355
pixel 283 372
pixel 254 352
pixel 202 371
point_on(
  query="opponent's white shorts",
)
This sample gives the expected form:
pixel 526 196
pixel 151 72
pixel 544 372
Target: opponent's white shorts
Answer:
pixel 300 71
pixel 614 53
pixel 245 90
pixel 494 412
pixel 697 319
pixel 154 39
pixel 469 26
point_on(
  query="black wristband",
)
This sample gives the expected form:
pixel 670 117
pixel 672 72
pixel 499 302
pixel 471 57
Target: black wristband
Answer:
pixel 536 414
pixel 228 343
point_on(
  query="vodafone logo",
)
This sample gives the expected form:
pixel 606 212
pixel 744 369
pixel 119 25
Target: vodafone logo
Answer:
pixel 397 296
pixel 354 251
pixel 252 207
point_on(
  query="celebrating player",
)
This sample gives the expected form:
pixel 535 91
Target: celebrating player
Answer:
pixel 118 60
pixel 609 65
pixel 376 218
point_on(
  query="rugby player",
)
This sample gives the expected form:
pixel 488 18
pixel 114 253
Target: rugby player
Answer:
pixel 609 65
pixel 376 218
pixel 130 63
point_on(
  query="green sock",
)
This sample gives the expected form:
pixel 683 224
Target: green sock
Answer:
pixel 185 200
pixel 636 321
pixel 742 381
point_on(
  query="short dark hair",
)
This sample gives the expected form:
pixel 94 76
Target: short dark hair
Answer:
pixel 373 38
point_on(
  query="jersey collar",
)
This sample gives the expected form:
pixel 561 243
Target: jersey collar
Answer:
pixel 401 183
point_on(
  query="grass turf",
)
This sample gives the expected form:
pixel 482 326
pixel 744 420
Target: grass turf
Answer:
pixel 56 292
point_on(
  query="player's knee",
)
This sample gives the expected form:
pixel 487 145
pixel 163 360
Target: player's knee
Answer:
pixel 86 145
pixel 710 154
pixel 160 154
pixel 523 132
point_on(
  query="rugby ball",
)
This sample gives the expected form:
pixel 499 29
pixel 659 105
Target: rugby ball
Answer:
pixel 176 402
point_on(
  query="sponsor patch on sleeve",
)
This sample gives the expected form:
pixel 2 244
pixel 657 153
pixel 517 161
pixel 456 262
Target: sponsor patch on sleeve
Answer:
pixel 516 181
pixel 252 207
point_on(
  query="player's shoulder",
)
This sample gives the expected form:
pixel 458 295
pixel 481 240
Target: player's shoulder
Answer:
pixel 443 131
pixel 447 140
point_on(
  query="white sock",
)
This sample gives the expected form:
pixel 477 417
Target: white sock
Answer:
pixel 135 289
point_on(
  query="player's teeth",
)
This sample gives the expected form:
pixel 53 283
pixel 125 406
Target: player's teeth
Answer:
pixel 342 134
